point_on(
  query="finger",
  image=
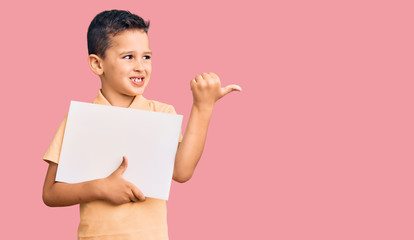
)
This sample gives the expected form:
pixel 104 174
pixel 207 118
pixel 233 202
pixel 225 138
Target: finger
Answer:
pixel 132 197
pixel 205 76
pixel 121 169
pixel 198 78
pixel 213 75
pixel 193 82
pixel 230 88
pixel 137 193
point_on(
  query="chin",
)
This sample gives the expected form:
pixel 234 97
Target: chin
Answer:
pixel 138 92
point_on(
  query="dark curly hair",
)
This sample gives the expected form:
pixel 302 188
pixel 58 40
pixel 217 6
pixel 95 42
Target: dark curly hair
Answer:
pixel 108 24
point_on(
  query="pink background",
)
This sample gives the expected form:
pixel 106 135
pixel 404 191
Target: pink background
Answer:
pixel 319 145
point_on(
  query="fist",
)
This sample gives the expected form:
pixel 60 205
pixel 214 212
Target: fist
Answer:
pixel 207 89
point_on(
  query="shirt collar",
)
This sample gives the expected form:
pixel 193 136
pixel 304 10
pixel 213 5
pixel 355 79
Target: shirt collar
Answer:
pixel 139 102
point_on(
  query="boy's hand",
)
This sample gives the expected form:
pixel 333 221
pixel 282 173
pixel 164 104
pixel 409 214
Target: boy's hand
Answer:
pixel 117 190
pixel 207 89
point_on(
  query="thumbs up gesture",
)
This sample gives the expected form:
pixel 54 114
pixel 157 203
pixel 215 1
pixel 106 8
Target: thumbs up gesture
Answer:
pixel 117 190
pixel 207 89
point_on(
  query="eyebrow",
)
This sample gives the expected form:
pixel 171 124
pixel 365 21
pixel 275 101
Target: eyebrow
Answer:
pixel 128 52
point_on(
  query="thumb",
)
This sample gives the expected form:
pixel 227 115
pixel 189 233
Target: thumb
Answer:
pixel 121 169
pixel 230 88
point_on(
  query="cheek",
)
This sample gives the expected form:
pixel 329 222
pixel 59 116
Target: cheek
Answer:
pixel 115 69
pixel 149 68
pixel 123 70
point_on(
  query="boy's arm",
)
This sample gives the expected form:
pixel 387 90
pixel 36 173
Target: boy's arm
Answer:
pixel 206 90
pixel 114 189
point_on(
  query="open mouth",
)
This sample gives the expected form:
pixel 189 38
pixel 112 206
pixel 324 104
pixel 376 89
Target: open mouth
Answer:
pixel 139 81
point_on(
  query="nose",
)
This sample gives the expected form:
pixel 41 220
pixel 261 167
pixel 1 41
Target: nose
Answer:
pixel 139 65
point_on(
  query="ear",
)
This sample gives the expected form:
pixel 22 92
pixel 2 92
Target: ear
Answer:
pixel 95 63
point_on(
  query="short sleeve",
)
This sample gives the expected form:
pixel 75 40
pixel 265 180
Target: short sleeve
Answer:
pixel 53 152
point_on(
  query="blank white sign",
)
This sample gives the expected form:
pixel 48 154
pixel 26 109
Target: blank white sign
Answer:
pixel 97 136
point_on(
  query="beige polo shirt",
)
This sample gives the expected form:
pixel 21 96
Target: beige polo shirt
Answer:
pixel 102 220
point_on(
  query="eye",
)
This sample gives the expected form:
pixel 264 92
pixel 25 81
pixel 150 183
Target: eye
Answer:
pixel 147 57
pixel 128 57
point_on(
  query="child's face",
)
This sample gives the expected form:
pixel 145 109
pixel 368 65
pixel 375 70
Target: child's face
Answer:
pixel 127 64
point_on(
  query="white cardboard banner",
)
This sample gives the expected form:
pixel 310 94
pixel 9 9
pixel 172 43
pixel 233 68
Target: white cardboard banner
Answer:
pixel 97 136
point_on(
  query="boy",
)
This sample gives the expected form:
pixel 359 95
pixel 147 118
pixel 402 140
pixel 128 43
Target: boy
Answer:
pixel 112 208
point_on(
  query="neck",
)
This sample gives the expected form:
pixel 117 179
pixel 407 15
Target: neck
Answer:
pixel 117 99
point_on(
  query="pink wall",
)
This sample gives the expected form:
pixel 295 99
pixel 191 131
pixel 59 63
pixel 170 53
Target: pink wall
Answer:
pixel 319 145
